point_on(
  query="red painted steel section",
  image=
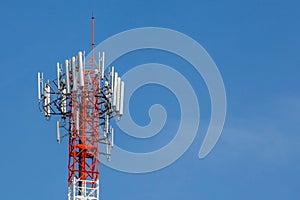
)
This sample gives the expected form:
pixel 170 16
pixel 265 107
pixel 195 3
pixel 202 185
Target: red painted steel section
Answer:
pixel 84 160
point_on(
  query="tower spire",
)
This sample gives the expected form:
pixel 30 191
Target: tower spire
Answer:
pixel 93 39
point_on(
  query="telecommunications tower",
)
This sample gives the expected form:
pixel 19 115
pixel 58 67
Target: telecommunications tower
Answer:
pixel 85 98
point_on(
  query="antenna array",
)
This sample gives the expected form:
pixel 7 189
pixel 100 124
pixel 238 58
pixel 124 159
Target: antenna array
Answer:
pixel 85 99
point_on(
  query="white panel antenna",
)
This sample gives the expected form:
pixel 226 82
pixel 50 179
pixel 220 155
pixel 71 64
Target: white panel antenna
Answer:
pixel 84 59
pixel 81 70
pixel 118 95
pixel 58 75
pixel 57 132
pixel 73 64
pixel 121 98
pixel 39 86
pixel 112 73
pixel 67 76
pixel 115 89
pixel 42 80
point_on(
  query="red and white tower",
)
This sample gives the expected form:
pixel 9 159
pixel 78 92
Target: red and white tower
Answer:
pixel 85 98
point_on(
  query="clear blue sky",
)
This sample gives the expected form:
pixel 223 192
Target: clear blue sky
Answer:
pixel 254 43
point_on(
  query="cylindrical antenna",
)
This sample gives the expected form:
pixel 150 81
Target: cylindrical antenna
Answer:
pixel 99 62
pixel 121 98
pixel 112 136
pixel 115 89
pixel 107 151
pixel 83 63
pixel 39 86
pixel 57 132
pixel 58 75
pixel 42 80
pixel 81 70
pixel 74 74
pixel 103 65
pixel 67 76
pixel 106 127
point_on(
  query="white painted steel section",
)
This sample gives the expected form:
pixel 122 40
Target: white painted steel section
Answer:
pixel 83 190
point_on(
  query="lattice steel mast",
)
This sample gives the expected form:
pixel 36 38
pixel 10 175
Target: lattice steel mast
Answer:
pixel 86 99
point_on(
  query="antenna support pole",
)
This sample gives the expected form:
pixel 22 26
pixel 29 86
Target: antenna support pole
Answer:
pixel 93 40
